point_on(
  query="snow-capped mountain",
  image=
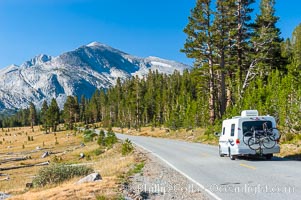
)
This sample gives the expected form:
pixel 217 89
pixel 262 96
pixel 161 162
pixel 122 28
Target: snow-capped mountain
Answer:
pixel 78 72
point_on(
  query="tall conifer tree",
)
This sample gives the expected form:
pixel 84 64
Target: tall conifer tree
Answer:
pixel 32 114
pixel 53 115
pixel 266 40
pixel 200 45
pixel 43 115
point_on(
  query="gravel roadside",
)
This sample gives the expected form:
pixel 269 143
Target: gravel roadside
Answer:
pixel 159 181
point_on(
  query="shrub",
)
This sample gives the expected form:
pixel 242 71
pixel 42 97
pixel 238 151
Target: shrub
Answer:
pixel 101 138
pixel 111 139
pixel 101 197
pixel 57 159
pixel 89 135
pixel 88 157
pixel 127 147
pixel 289 137
pixel 97 152
pixel 57 173
pixel 137 168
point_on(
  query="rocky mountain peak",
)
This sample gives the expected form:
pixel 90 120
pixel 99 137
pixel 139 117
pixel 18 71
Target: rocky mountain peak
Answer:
pixel 37 60
pixel 78 72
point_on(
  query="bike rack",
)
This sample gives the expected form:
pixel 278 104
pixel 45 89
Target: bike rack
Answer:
pixel 260 138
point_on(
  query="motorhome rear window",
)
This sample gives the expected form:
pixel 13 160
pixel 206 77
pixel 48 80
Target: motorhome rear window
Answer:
pixel 257 125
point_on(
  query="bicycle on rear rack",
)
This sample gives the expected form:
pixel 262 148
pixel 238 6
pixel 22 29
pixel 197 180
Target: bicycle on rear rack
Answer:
pixel 257 139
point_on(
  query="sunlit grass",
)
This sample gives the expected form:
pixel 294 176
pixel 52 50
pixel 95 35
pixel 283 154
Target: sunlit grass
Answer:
pixel 65 147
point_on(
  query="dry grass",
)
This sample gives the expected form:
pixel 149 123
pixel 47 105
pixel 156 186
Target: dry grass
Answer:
pixel 292 151
pixel 65 146
pixel 192 135
pixel 107 187
pixel 15 143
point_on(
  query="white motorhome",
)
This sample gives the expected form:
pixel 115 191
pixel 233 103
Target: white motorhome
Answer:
pixel 249 134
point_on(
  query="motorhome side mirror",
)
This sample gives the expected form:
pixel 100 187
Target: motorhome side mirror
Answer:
pixel 217 134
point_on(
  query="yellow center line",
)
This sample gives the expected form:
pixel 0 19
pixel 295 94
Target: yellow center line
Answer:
pixel 247 166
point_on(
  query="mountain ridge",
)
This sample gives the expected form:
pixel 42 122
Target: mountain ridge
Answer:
pixel 78 72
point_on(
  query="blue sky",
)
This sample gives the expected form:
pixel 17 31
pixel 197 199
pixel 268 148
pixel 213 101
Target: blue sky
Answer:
pixel 138 27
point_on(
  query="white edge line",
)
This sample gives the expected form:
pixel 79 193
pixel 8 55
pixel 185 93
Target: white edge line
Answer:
pixel 182 173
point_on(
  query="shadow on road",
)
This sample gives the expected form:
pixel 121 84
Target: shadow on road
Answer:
pixel 296 157
pixel 260 159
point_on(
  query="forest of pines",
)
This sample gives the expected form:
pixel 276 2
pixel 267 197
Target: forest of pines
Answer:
pixel 239 63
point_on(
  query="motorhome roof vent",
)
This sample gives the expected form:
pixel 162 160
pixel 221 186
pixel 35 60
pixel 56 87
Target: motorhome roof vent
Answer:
pixel 247 113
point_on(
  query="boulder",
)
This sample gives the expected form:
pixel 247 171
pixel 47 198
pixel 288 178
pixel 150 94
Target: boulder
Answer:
pixel 81 155
pixel 90 178
pixel 4 196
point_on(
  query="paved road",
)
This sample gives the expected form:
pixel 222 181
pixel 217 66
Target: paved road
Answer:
pixel 223 178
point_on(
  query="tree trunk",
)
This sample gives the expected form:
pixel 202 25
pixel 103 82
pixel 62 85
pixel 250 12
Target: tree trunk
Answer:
pixel 211 92
pixel 229 97
pixel 239 42
pixel 223 85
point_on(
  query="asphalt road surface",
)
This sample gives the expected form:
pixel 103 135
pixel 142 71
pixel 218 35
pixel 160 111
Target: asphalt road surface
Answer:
pixel 222 178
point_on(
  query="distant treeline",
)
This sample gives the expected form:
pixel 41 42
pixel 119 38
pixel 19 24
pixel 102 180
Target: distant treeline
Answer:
pixel 156 100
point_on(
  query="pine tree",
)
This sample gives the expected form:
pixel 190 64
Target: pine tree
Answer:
pixel 243 32
pixel 241 40
pixel 293 84
pixel 295 68
pixel 82 109
pixel 76 110
pixel 53 115
pixel 224 24
pixel 95 106
pixel 32 114
pixel 266 41
pixel 43 115
pixel 70 109
pixel 118 103
pixel 200 45
pixel 287 51
pixel 24 117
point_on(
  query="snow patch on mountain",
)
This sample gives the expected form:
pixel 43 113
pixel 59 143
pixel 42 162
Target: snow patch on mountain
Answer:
pixel 97 44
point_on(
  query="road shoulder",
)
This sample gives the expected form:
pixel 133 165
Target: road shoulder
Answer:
pixel 158 181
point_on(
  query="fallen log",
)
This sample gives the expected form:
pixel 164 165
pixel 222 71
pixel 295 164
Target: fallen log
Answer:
pixel 3 174
pixel 12 159
pixel 42 164
pixel 24 166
